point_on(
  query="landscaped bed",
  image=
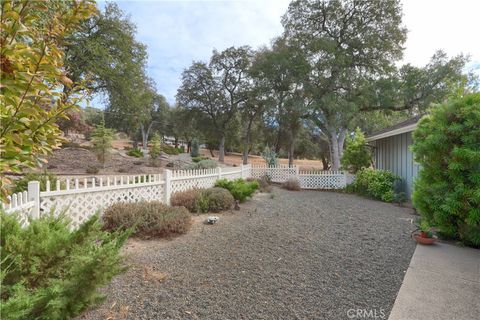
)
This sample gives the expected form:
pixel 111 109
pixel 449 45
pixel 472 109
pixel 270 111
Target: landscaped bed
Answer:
pixel 306 255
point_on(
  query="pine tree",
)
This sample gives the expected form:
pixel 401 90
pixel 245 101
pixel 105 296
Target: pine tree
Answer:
pixel 102 138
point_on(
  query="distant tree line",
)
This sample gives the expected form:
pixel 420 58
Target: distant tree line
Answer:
pixel 334 68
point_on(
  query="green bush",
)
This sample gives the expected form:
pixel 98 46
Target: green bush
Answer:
pixel 203 200
pixel 240 189
pixel 203 164
pixel 148 219
pixel 137 153
pixel 264 183
pixel 21 185
pixel 171 150
pixel 199 158
pixel 155 149
pixel 48 271
pixel 194 151
pixel 377 184
pixel 446 144
pixel 357 154
pixel 270 157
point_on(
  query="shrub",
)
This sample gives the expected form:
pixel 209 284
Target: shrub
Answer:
pixel 447 191
pixel 203 200
pixel 270 157
pixel 203 164
pixel 199 158
pixel 148 219
pixel 377 184
pixel 291 184
pixel 171 150
pixel 21 185
pixel 264 184
pixel 51 272
pixel 92 170
pixel 155 149
pixel 186 199
pixel 137 153
pixel 194 151
pixel 102 142
pixel 240 189
pixel 216 200
pixel 356 155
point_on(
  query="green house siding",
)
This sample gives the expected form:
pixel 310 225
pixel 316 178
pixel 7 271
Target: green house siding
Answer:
pixel 393 154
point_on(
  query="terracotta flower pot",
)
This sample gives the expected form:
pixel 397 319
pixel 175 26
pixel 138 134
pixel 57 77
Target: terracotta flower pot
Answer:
pixel 424 240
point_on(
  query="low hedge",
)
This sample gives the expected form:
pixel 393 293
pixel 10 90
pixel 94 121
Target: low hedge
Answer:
pixel 49 271
pixel 240 189
pixel 148 219
pixel 203 200
pixel 376 184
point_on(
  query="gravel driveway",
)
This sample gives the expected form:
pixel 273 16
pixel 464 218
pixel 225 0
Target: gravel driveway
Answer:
pixel 297 255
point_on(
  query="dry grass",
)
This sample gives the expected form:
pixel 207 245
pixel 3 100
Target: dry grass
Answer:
pixel 233 158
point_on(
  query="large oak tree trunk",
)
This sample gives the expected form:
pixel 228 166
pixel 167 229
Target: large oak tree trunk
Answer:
pixel 337 140
pixel 221 150
pixel 291 149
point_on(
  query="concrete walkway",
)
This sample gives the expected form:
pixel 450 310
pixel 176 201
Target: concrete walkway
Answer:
pixel 442 282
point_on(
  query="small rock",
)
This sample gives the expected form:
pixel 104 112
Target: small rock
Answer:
pixel 212 219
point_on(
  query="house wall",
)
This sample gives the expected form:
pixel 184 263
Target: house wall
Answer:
pixel 393 154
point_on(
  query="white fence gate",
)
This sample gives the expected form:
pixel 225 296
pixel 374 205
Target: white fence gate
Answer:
pixel 81 198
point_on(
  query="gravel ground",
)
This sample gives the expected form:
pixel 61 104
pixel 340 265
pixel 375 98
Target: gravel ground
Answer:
pixel 297 255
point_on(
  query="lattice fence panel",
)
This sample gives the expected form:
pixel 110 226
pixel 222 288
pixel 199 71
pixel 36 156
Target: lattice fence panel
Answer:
pixel 185 183
pixel 19 204
pixel 276 174
pixel 322 181
pixel 23 212
pixel 231 175
pixel 81 206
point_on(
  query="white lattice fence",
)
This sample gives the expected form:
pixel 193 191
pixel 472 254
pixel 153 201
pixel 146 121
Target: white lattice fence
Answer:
pixel 322 180
pixel 182 180
pixel 90 195
pixel 22 205
pixel 277 174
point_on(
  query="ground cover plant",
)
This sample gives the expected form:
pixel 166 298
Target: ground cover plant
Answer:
pixel 137 153
pixel 49 271
pixel 199 158
pixel 376 184
pixel 148 219
pixel 203 164
pixel 239 188
pixel 171 150
pixel 446 144
pixel 203 200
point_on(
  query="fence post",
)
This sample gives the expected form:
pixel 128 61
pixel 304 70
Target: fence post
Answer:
pixel 168 185
pixel 241 167
pixel 297 172
pixel 219 173
pixel 34 195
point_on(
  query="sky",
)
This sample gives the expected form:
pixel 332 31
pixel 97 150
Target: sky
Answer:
pixel 178 32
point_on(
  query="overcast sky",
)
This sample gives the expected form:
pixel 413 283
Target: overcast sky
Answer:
pixel 180 31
